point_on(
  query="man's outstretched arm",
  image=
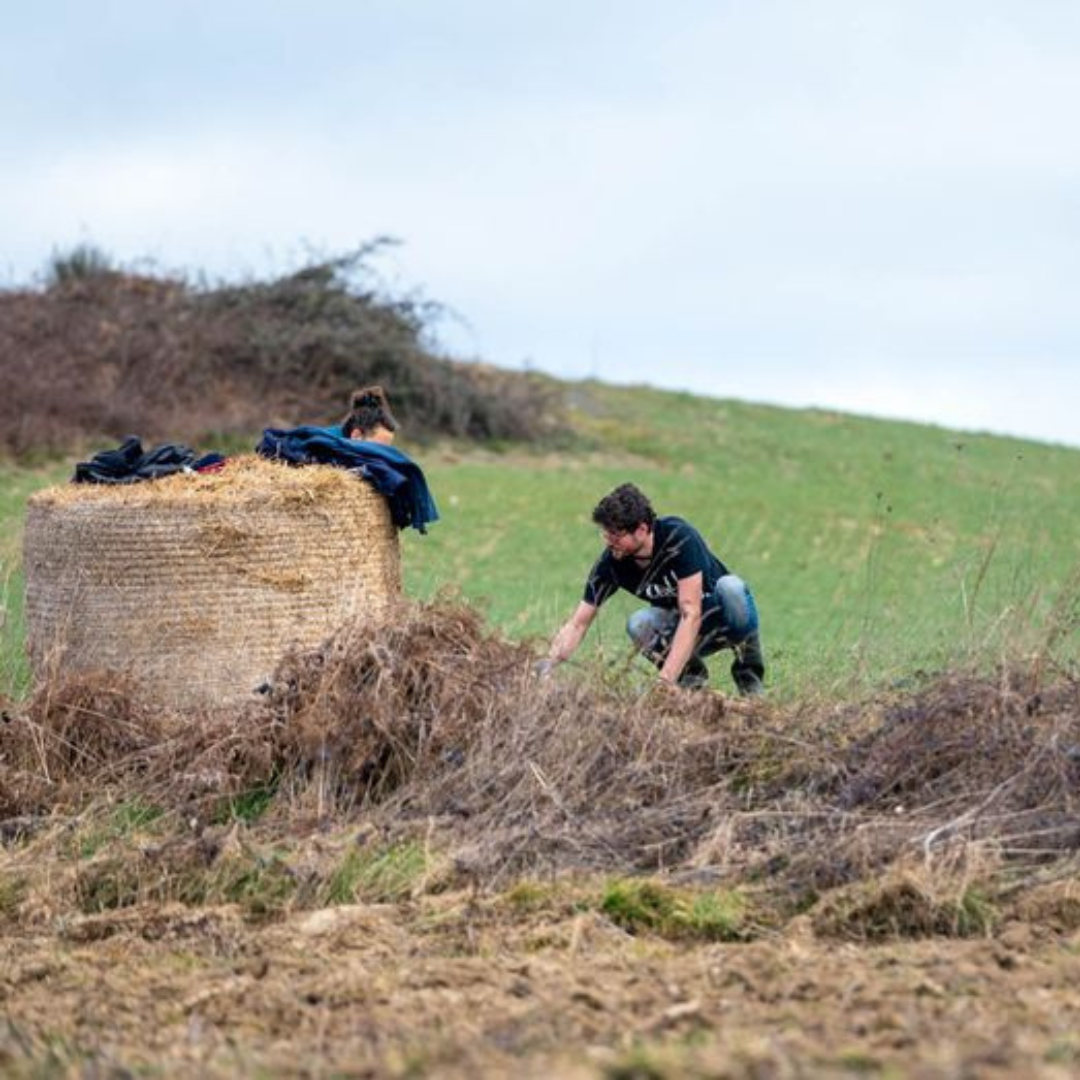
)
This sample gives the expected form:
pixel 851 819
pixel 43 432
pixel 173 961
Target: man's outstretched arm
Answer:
pixel 564 644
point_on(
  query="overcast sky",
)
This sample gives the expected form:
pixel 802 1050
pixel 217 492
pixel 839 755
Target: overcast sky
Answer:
pixel 870 205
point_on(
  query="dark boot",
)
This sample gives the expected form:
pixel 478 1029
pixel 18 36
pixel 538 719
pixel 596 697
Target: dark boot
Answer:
pixel 748 669
pixel 695 676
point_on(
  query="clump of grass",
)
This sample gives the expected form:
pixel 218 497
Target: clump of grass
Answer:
pixel 26 1054
pixel 81 263
pixel 107 884
pixel 906 904
pixel 1064 1051
pixel 860 1063
pixel 1053 903
pixel 263 884
pixel 120 822
pixel 248 806
pixel 638 1064
pixel 13 888
pixel 643 905
pixel 215 867
pixel 382 875
pixel 529 896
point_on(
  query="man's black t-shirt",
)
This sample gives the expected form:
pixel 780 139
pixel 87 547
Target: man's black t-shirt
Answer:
pixel 678 552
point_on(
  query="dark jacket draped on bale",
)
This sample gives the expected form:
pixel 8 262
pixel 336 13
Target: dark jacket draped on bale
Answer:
pixel 394 474
pixel 130 464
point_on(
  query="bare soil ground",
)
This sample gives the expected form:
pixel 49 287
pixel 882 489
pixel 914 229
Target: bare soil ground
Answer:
pixel 462 985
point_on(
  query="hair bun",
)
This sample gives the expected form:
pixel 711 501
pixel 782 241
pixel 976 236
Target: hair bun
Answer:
pixel 369 397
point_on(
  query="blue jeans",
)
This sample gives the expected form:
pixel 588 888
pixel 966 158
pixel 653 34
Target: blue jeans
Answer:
pixel 729 620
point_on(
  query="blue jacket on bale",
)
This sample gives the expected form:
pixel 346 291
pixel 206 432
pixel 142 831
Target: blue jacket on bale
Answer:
pixel 394 474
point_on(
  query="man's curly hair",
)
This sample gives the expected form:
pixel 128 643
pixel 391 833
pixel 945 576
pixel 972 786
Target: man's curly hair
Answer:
pixel 624 510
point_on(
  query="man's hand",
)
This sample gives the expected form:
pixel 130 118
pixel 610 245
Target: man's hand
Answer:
pixel 664 688
pixel 544 667
pixel 568 638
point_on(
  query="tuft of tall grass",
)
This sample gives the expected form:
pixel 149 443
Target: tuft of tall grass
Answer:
pixel 383 875
pixel 907 903
pixel 644 905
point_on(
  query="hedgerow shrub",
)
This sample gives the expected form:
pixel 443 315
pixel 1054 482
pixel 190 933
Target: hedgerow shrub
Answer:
pixel 96 353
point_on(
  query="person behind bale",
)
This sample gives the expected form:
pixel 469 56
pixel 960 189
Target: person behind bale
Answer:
pixel 696 605
pixel 370 419
pixel 361 443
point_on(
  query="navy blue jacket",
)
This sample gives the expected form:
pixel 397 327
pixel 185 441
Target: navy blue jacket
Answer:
pixel 394 474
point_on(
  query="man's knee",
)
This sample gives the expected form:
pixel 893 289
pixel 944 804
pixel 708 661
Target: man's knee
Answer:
pixel 649 627
pixel 738 607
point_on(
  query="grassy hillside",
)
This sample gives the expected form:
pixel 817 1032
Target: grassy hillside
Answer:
pixel 876 550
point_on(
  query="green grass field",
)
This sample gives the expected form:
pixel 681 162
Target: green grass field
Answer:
pixel 876 550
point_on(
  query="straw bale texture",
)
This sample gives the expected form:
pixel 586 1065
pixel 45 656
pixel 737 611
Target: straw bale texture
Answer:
pixel 198 584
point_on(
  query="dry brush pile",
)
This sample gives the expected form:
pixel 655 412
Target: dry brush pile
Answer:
pixel 432 727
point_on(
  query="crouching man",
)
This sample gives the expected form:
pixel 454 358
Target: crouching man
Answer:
pixel 696 605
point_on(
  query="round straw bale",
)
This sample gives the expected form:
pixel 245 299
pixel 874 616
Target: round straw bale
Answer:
pixel 199 583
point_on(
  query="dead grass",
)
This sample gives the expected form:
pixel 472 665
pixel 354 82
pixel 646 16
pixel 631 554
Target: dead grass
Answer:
pixel 413 858
pixel 246 479
pixel 432 731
